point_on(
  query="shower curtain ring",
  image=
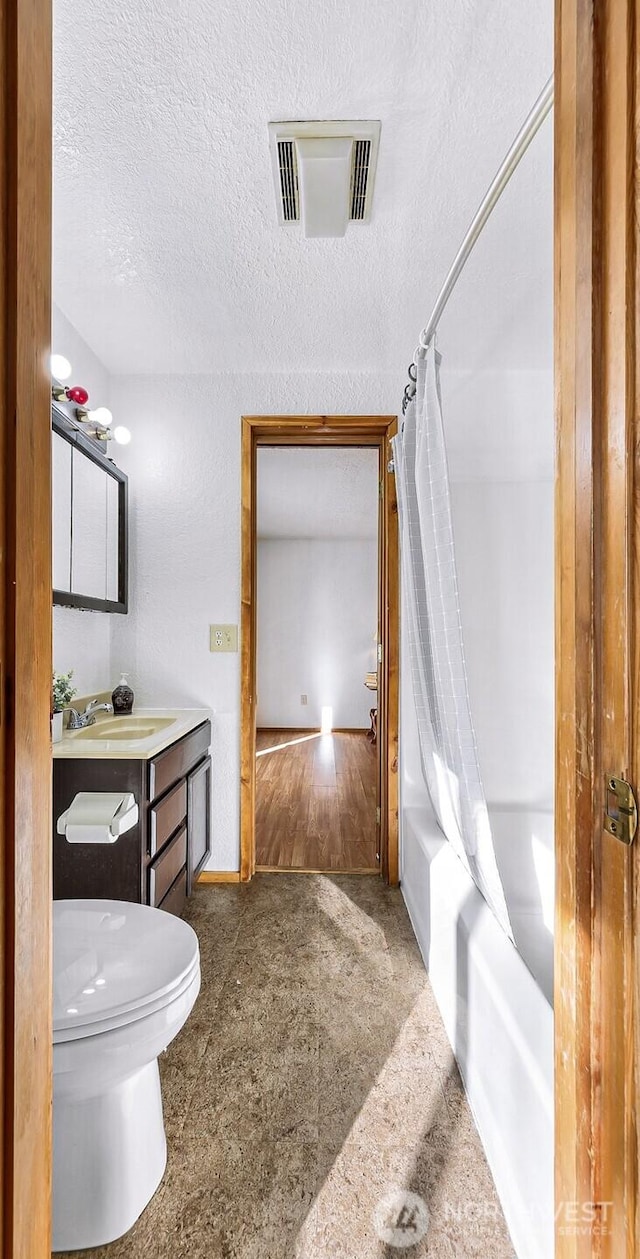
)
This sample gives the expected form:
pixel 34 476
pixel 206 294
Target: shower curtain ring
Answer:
pixel 413 374
pixel 409 394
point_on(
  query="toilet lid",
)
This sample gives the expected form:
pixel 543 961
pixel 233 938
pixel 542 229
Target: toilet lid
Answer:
pixel 111 958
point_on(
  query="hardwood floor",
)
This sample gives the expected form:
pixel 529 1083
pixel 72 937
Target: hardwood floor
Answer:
pixel 315 801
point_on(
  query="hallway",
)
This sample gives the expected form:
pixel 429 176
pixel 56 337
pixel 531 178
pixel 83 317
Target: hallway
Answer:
pixel 313 1077
pixel 315 801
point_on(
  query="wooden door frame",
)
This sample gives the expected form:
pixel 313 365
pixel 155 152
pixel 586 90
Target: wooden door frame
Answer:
pixel 25 629
pixel 322 430
pixel 596 74
pixel 597 141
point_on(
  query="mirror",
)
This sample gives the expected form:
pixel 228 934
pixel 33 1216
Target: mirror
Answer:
pixel 61 491
pixel 89 522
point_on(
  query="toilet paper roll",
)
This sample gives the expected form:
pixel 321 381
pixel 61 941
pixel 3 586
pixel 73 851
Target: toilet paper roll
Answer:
pixel 98 817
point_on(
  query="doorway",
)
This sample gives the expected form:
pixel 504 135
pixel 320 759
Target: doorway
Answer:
pixel 317 632
pixel 322 762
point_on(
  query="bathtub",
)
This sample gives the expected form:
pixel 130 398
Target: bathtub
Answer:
pixel 495 1000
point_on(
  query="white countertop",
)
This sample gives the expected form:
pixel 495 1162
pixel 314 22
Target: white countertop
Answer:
pixel 73 747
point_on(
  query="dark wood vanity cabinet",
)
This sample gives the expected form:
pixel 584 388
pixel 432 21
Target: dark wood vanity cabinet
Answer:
pixel 157 862
pixel 198 819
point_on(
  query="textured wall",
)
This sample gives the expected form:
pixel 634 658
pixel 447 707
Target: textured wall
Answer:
pixel 88 368
pixel 317 616
pixel 82 642
pixel 184 468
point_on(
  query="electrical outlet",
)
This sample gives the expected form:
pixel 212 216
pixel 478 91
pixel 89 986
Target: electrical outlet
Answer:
pixel 303 699
pixel 223 638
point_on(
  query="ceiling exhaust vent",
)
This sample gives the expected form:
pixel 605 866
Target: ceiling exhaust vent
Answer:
pixel 360 179
pixel 324 173
pixel 288 174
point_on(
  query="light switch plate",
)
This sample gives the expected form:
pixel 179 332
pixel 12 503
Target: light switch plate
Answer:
pixel 223 638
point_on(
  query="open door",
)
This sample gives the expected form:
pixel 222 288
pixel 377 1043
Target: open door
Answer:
pixel 321 430
pixel 598 624
pixel 25 629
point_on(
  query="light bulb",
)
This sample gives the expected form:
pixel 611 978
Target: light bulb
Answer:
pixel 102 417
pixel 121 435
pixel 77 394
pixel 60 367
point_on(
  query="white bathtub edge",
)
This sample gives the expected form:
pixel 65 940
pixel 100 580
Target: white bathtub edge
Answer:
pixel 523 1177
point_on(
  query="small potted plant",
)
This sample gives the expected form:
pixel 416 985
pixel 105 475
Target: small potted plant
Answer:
pixel 62 692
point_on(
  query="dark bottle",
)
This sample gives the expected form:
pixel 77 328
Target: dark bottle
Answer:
pixel 122 698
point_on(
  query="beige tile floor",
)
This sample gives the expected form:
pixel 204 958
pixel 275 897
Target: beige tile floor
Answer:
pixel 313 1079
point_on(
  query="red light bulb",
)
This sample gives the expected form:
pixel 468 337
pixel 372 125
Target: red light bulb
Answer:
pixel 77 394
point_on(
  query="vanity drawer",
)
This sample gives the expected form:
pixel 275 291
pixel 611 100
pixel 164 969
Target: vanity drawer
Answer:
pixel 165 870
pixel 165 817
pixel 176 898
pixel 173 764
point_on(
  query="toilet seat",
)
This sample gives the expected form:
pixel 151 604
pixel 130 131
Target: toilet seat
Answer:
pixel 116 962
pixel 128 1017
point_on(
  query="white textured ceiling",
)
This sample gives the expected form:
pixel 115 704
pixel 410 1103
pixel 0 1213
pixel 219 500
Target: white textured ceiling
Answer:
pixel 167 252
pixel 329 493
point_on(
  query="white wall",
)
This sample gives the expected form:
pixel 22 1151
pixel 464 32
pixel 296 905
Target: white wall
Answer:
pixel 317 617
pixel 82 640
pixel 88 368
pixel 184 468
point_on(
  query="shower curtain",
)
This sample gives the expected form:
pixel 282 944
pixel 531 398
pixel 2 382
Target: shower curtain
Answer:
pixel 431 609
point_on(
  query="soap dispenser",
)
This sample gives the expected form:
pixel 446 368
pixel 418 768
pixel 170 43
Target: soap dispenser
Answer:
pixel 122 698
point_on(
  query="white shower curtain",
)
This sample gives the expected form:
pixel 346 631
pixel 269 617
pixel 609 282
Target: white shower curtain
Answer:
pixel 431 608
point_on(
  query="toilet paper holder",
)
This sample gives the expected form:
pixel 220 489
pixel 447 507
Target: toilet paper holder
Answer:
pixel 98 817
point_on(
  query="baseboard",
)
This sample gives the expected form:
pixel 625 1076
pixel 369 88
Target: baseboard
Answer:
pixel 309 870
pixel 233 876
pixel 311 730
pixel 218 876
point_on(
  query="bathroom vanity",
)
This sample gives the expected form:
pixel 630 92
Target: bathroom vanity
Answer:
pixel 162 757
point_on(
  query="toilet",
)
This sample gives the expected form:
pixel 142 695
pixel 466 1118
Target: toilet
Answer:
pixel 125 979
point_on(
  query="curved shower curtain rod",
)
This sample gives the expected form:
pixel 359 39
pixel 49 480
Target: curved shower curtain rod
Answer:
pixel 529 129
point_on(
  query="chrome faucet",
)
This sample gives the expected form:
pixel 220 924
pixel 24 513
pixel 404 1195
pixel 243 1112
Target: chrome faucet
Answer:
pixel 77 721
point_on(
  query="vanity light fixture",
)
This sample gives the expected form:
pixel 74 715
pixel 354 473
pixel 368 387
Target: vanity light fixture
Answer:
pixel 99 419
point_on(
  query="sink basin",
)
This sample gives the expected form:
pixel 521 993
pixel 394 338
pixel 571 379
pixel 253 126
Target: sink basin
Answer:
pixel 124 728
